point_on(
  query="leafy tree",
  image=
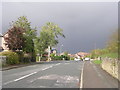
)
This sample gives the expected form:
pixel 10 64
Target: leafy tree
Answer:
pixel 112 47
pixel 48 37
pixel 53 31
pixel 14 38
pixel 29 33
pixel 113 42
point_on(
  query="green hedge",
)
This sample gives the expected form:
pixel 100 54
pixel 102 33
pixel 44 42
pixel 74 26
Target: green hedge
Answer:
pixel 12 57
pixel 66 57
pixel 26 58
pixel 21 55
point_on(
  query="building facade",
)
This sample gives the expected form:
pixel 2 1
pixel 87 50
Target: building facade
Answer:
pixel 2 42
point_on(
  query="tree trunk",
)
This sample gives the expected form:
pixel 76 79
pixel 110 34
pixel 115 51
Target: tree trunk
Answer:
pixel 40 57
pixel 49 51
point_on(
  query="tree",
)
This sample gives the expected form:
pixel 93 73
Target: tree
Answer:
pixel 53 32
pixel 48 37
pixel 29 33
pixel 113 42
pixel 14 39
pixel 42 42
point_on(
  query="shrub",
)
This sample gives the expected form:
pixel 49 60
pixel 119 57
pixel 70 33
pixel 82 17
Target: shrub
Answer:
pixel 33 58
pixel 52 56
pixel 57 57
pixel 72 58
pixel 37 58
pixel 12 57
pixel 21 55
pixel 26 58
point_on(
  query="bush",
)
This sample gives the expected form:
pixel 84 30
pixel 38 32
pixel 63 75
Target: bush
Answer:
pixel 57 58
pixel 33 58
pixel 12 57
pixel 26 58
pixel 72 58
pixel 21 55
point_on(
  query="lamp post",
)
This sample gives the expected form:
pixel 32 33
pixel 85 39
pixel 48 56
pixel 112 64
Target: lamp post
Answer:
pixel 61 48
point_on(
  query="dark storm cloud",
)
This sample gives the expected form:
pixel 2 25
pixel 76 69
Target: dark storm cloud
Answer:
pixel 84 24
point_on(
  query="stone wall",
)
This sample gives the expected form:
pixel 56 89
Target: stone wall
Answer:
pixel 2 60
pixel 110 66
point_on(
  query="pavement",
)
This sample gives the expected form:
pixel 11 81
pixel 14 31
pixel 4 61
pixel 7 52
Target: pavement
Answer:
pixel 64 74
pixel 95 77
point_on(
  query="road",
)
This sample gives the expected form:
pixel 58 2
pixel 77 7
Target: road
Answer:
pixel 59 74
pixel 62 74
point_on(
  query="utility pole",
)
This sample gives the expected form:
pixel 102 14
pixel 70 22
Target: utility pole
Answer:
pixel 95 47
pixel 61 48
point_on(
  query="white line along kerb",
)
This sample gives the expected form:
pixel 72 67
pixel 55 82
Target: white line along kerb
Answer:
pixel 81 83
pixel 25 76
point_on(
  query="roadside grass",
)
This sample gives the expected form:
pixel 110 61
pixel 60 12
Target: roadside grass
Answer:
pixel 97 61
pixel 110 55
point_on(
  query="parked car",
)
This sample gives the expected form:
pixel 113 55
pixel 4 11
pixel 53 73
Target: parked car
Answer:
pixel 77 59
pixel 87 59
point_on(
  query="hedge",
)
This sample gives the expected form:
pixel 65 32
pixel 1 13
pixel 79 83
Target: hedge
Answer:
pixel 12 57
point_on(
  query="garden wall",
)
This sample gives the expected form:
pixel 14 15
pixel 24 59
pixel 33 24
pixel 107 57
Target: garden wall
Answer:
pixel 110 66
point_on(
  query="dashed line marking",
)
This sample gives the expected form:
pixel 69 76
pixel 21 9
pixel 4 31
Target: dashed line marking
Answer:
pixel 28 75
pixel 25 76
pixel 58 64
pixel 8 82
pixel 67 63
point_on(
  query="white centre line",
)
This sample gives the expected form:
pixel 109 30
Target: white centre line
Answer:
pixel 67 63
pixel 29 74
pixel 47 68
pixel 25 76
pixel 57 64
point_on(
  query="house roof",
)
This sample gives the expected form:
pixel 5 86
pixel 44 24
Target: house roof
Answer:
pixel 82 53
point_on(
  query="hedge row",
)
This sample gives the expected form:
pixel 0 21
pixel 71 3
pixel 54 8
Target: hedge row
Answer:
pixel 16 57
pixel 12 57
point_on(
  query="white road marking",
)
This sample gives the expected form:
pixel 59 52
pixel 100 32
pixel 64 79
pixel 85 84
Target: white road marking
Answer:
pixel 47 68
pixel 57 64
pixel 81 79
pixel 29 74
pixel 8 82
pixel 67 63
pixel 25 76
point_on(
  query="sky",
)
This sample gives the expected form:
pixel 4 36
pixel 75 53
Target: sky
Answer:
pixel 86 25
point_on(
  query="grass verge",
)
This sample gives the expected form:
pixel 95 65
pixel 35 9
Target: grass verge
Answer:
pixel 110 55
pixel 97 61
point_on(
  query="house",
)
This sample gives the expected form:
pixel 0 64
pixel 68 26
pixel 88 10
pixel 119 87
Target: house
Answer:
pixel 2 42
pixel 54 51
pixel 81 55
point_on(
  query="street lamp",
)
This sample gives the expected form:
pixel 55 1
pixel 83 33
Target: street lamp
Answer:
pixel 61 48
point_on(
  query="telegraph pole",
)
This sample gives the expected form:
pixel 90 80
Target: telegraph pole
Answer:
pixel 61 48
